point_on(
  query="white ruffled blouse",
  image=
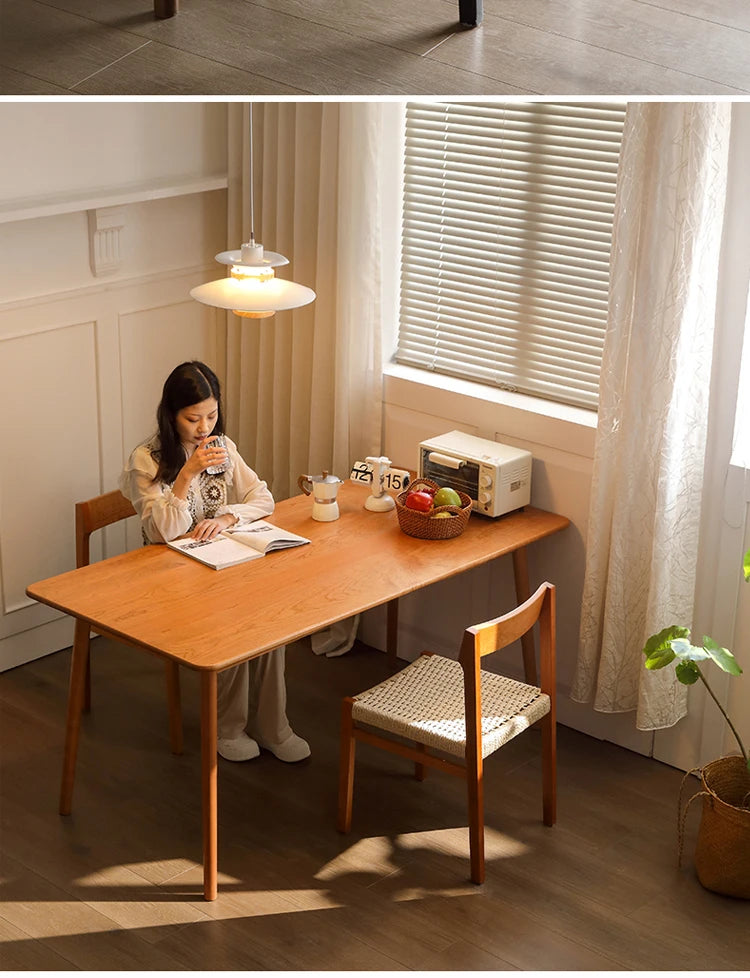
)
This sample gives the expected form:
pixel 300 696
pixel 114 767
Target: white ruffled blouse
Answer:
pixel 164 517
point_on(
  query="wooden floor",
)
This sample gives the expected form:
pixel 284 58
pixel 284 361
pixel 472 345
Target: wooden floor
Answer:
pixel 117 885
pixel 375 47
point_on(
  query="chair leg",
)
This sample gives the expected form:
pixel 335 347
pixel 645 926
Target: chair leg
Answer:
pixel 73 720
pixel 549 770
pixel 87 680
pixel 476 825
pixel 420 770
pixel 175 710
pixel 470 12
pixel 346 767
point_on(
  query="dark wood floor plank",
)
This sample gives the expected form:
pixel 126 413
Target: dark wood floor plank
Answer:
pixel 19 952
pixel 57 47
pixel 19 83
pixel 366 47
pixel 385 21
pixel 73 929
pixel 649 33
pixel 730 13
pixel 156 69
pixel 311 56
pixel 547 62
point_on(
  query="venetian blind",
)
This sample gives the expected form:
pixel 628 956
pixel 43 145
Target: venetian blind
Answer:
pixel 506 235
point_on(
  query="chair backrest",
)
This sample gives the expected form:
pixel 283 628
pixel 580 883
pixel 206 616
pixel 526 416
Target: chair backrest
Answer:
pixel 491 636
pixel 93 514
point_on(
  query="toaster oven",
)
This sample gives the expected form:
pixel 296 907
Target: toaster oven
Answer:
pixel 496 477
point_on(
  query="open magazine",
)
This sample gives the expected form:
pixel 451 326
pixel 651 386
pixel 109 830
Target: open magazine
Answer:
pixel 235 546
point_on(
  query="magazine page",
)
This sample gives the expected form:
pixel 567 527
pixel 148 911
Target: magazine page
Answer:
pixel 264 537
pixel 217 553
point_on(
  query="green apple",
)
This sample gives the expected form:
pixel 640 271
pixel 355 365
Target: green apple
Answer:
pixel 447 497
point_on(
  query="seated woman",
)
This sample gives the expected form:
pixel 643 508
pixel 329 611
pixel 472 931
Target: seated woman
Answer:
pixel 182 482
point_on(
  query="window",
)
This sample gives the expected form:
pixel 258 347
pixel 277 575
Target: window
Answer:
pixel 506 236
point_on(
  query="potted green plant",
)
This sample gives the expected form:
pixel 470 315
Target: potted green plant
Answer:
pixel 722 854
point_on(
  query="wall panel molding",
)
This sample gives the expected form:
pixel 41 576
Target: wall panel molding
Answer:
pixel 82 371
pixel 11 327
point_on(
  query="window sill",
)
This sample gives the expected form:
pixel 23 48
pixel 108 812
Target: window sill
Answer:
pixel 491 412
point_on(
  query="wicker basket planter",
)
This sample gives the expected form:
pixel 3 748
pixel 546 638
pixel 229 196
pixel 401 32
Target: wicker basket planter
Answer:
pixel 722 851
pixel 422 525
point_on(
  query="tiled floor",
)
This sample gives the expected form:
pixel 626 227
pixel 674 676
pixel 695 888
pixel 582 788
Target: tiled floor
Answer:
pixel 375 47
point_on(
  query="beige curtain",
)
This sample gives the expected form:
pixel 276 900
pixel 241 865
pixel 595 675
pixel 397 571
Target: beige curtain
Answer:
pixel 654 394
pixel 304 388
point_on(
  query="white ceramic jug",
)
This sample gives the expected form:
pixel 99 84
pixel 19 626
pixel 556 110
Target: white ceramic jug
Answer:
pixel 324 489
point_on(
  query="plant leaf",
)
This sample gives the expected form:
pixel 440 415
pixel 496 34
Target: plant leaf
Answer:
pixel 684 650
pixel 746 566
pixel 659 659
pixel 722 657
pixel 687 672
pixel 658 648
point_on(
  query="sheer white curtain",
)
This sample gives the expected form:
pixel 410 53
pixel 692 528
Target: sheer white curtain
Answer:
pixel 649 460
pixel 304 388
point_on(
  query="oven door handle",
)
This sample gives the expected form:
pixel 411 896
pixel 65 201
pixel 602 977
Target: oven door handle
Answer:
pixel 446 460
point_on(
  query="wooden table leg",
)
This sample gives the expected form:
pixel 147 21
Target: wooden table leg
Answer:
pixel 76 692
pixel 165 8
pixel 391 632
pixel 521 574
pixel 208 770
pixel 172 671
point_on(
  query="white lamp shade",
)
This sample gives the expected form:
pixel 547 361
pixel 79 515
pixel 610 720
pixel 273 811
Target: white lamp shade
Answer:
pixel 272 259
pixel 250 295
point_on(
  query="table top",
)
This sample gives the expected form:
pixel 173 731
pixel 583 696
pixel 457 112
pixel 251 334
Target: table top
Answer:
pixel 165 601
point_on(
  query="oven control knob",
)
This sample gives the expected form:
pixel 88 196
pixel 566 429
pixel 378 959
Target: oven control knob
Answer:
pixel 484 498
pixel 485 481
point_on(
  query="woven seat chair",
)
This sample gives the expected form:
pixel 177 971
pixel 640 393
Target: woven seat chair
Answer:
pixel 95 514
pixel 459 709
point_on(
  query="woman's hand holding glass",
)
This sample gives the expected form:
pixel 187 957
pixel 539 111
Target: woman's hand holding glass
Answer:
pixel 205 455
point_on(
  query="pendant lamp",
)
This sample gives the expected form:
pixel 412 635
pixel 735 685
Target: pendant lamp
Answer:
pixel 251 289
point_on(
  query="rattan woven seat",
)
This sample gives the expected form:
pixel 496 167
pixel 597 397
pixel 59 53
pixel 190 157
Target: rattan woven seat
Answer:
pixel 455 708
pixel 425 702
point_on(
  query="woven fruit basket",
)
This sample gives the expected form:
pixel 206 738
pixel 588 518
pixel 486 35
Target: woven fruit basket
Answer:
pixel 423 525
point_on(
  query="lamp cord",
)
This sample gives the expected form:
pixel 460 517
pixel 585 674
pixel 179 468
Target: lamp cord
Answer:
pixel 252 209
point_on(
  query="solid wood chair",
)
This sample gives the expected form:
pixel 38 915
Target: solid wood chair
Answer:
pixel 94 514
pixel 457 708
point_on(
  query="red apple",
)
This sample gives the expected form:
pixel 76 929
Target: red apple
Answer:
pixel 419 500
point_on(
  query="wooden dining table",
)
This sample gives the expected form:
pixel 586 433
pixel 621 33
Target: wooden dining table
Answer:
pixel 160 600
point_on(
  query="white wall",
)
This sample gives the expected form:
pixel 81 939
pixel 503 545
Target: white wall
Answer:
pixel 54 149
pixel 88 333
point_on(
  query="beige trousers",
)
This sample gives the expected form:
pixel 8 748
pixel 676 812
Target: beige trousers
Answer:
pixel 251 697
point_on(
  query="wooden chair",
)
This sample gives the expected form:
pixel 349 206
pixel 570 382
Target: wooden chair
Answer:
pixel 459 709
pixel 94 514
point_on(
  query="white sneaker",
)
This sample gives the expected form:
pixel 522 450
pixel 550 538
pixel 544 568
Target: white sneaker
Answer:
pixel 242 748
pixel 292 749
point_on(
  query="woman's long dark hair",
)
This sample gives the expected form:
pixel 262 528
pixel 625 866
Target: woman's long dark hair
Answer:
pixel 188 384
